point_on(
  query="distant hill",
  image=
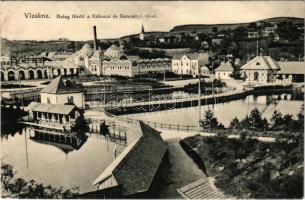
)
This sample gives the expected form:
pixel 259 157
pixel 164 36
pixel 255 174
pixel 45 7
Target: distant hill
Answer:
pixel 209 27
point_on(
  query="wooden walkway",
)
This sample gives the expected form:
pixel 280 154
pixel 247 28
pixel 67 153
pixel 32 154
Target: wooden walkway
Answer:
pixel 200 189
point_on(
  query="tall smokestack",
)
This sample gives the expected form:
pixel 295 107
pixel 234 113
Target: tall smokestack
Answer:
pixel 95 39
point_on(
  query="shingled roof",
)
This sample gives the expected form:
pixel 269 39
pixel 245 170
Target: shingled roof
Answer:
pixel 61 86
pixel 51 108
pixel 292 67
pixel 135 168
pixel 261 63
pixel 225 67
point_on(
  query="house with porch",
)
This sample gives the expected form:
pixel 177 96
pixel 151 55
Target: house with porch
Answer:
pixel 61 105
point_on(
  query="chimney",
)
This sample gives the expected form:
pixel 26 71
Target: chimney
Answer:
pixel 94 39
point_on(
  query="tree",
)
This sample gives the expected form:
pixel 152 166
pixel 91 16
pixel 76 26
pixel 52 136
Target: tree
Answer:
pixel 235 124
pixel 255 121
pixel 276 120
pixel 209 121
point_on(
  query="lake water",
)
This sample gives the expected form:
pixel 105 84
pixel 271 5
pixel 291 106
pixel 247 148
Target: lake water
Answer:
pixel 56 165
pixel 53 165
pixel 225 112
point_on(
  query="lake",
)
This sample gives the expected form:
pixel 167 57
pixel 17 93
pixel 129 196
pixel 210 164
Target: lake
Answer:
pixel 58 165
pixel 225 112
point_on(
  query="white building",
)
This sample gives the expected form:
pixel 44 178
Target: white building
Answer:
pixel 61 91
pixel 60 106
pixel 224 71
pixel 188 64
pixel 261 69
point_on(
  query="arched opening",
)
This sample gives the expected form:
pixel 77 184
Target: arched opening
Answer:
pixel 21 75
pixel 11 76
pixel 2 76
pixel 39 74
pixel 58 72
pixel 46 74
pixel 31 74
pixel 256 76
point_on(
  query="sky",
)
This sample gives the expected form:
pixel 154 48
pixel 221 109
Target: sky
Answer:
pixel 15 26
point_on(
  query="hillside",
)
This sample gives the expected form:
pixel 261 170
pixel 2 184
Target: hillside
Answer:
pixel 209 27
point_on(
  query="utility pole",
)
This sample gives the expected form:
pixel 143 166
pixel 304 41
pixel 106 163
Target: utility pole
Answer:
pixel 199 99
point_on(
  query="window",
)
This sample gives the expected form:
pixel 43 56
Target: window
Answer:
pixel 70 99
pixel 48 100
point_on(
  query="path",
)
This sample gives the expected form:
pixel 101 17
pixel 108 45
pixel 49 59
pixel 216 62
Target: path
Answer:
pixel 182 171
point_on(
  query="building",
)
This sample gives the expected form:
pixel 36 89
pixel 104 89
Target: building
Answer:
pixel 253 34
pixel 291 71
pixel 119 66
pixel 63 91
pixel 142 33
pixel 270 29
pixel 205 71
pixel 149 66
pixel 188 64
pixel 224 71
pixel 261 69
pixel 60 106
pixel 86 61
pixel 24 67
pixel 138 169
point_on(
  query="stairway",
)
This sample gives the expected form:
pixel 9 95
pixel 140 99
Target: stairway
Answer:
pixel 200 189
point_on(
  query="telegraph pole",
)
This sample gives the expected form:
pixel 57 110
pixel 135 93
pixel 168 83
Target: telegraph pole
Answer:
pixel 199 99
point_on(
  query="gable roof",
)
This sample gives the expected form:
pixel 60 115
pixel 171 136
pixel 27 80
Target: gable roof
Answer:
pixel 135 168
pixel 51 108
pixel 225 67
pixel 60 86
pixel 292 68
pixel 261 63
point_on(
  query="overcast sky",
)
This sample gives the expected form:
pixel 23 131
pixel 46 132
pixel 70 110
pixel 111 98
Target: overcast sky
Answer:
pixel 14 24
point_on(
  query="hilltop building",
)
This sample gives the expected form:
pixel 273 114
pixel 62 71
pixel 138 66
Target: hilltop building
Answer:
pixel 224 71
pixel 142 33
pixel 188 64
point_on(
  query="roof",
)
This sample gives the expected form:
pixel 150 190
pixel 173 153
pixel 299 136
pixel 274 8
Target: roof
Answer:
pixel 225 67
pixel 261 63
pixel 142 29
pixel 135 168
pixel 292 67
pixel 87 49
pixel 203 58
pixel 114 48
pixel 61 86
pixel 51 108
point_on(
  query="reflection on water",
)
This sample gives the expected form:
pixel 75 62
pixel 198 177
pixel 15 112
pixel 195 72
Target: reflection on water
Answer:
pixel 56 163
pixel 225 112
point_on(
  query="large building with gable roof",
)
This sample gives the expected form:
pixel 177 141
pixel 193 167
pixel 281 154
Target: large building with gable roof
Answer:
pixel 262 69
pixel 188 64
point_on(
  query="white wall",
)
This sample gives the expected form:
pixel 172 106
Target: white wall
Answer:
pixel 224 75
pixel 78 99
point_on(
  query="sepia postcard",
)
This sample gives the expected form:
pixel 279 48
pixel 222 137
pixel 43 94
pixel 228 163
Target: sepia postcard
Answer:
pixel 152 99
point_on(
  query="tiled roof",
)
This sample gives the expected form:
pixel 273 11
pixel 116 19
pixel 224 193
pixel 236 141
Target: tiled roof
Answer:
pixel 135 168
pixel 261 63
pixel 51 108
pixel 60 86
pixel 225 67
pixel 292 67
